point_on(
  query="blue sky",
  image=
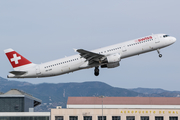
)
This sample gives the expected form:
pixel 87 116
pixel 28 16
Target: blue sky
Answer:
pixel 46 30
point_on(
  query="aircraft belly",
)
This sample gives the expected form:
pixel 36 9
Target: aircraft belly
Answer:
pixel 136 50
pixel 131 52
pixel 69 68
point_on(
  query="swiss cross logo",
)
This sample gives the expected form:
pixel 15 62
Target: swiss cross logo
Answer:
pixel 15 58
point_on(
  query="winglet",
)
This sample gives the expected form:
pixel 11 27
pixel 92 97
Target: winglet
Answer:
pixel 75 50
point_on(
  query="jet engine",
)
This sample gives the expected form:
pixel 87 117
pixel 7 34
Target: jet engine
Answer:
pixel 111 61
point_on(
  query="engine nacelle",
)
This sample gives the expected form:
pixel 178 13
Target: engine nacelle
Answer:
pixel 114 58
pixel 112 61
pixel 113 65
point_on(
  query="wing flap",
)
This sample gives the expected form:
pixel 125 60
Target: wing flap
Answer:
pixel 90 56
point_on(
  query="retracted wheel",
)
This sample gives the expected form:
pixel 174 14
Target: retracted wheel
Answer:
pixel 96 71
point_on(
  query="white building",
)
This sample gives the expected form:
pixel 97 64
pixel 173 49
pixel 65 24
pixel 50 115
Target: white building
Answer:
pixel 119 108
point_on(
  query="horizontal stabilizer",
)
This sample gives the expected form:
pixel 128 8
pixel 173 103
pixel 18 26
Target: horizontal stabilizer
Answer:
pixel 18 72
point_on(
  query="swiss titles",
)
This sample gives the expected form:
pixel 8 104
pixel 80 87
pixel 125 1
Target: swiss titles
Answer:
pixel 145 38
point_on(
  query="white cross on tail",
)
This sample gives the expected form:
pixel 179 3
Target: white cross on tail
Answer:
pixel 15 58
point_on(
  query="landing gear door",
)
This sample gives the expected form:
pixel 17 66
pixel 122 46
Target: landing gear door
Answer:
pixel 124 49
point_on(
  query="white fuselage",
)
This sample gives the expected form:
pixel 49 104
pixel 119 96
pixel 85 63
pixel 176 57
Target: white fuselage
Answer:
pixel 76 62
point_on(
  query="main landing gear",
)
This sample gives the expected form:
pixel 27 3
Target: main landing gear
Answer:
pixel 160 55
pixel 96 71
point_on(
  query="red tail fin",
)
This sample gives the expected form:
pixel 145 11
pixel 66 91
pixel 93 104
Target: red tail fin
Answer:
pixel 15 58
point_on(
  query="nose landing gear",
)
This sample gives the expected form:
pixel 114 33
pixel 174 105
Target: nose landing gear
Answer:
pixel 96 71
pixel 160 55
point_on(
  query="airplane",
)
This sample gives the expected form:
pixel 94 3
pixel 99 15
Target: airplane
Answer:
pixel 106 57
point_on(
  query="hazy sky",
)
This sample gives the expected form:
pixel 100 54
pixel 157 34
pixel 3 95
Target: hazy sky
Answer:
pixel 47 30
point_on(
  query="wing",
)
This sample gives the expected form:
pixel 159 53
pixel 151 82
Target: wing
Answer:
pixel 90 56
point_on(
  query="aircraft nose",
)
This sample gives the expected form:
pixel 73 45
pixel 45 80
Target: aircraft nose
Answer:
pixel 173 39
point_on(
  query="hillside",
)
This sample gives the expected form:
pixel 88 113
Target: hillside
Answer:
pixel 148 90
pixel 57 94
pixel 53 95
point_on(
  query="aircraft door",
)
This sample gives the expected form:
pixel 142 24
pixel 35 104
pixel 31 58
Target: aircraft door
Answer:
pixel 38 70
pixel 124 49
pixel 156 38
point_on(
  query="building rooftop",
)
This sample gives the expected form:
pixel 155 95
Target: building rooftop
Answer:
pixel 124 101
pixel 19 93
pixel 16 92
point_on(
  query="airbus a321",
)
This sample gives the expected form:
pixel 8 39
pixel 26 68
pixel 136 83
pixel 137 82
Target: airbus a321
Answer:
pixel 107 57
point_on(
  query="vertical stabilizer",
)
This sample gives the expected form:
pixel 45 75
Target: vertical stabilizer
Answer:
pixel 16 59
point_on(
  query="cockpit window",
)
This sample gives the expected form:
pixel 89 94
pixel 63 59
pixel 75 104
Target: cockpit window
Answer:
pixel 165 36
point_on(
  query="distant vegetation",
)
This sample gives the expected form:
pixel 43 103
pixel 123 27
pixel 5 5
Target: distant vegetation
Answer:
pixel 53 95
